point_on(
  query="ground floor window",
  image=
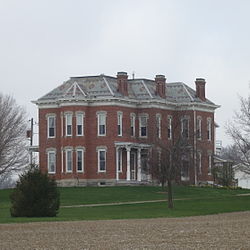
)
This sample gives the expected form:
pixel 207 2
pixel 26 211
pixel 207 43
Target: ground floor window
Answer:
pixel 101 160
pixel 79 160
pixel 51 162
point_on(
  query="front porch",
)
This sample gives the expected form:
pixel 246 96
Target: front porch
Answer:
pixel 132 163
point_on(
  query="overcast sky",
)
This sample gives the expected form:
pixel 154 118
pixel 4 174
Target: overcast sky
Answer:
pixel 43 43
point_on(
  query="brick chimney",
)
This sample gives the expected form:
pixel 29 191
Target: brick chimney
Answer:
pixel 122 82
pixel 200 88
pixel 160 82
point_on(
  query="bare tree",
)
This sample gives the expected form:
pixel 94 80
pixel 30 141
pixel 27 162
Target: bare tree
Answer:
pixel 239 131
pixel 13 144
pixel 167 159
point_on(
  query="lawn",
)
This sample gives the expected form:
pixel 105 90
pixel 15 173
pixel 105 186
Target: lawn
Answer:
pixel 199 201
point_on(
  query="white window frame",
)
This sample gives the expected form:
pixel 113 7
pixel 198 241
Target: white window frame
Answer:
pixel 209 164
pixel 132 125
pixel 140 126
pixel 99 162
pixel 120 161
pixel 99 114
pixel 68 122
pixel 80 116
pixel 48 126
pixel 158 125
pixel 199 163
pixel 49 153
pixel 209 129
pixel 199 128
pixel 67 153
pixel 78 150
pixel 119 123
pixel 182 127
pixel 169 135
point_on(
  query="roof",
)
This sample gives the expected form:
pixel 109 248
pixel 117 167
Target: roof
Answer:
pixel 103 86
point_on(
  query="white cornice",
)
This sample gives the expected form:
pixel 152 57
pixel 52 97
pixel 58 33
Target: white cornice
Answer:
pixel 125 102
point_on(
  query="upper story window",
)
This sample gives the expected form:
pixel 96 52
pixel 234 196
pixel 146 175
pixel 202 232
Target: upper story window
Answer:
pixel 51 162
pixel 101 120
pixel 185 128
pixel 119 123
pixel 143 122
pixel 170 127
pixel 79 124
pixel 51 124
pixel 158 126
pixel 209 129
pixel 132 124
pixel 198 128
pixel 69 160
pixel 80 160
pixel 68 124
pixel 101 160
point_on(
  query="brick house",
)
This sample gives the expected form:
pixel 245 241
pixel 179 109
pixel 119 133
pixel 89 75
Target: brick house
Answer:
pixel 100 129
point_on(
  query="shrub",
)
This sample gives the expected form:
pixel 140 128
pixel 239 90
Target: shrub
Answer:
pixel 36 195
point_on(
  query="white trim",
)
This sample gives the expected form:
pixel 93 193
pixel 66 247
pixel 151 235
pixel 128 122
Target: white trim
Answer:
pixel 140 125
pixel 192 99
pixel 82 152
pixel 68 123
pixel 119 122
pixel 145 104
pixel 158 125
pixel 170 119
pixel 100 113
pixel 48 127
pixel 48 161
pixel 209 129
pixel 82 123
pixel 146 87
pixel 98 159
pixel 110 90
pixel 69 150
pixel 74 86
pixel 132 119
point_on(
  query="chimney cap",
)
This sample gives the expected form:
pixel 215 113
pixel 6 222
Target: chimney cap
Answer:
pixel 200 80
pixel 121 73
pixel 160 76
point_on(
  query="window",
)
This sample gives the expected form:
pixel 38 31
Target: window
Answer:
pixel 185 169
pixel 51 126
pixel 143 126
pixel 51 162
pixel 185 128
pixel 101 124
pixel 170 127
pixel 199 163
pixel 158 125
pixel 198 132
pixel 68 124
pixel 69 162
pixel 101 160
pixel 79 160
pixel 120 160
pixel 209 129
pixel 132 124
pixel 209 164
pixel 79 124
pixel 119 123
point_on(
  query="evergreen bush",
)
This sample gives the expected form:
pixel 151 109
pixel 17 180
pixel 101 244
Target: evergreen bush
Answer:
pixel 36 195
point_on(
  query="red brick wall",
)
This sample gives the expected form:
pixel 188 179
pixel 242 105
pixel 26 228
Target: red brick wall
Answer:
pixel 91 140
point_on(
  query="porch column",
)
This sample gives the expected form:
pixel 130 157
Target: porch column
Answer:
pixel 128 163
pixel 117 163
pixel 139 164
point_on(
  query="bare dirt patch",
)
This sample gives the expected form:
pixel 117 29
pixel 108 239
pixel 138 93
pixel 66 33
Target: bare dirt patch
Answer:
pixel 223 231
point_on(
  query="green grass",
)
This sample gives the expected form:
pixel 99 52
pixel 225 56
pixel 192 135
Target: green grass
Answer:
pixel 200 201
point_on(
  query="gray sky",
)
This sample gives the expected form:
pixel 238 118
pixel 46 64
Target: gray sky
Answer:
pixel 43 43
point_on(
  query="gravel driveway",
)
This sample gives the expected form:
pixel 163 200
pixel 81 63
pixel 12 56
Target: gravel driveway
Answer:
pixel 223 231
